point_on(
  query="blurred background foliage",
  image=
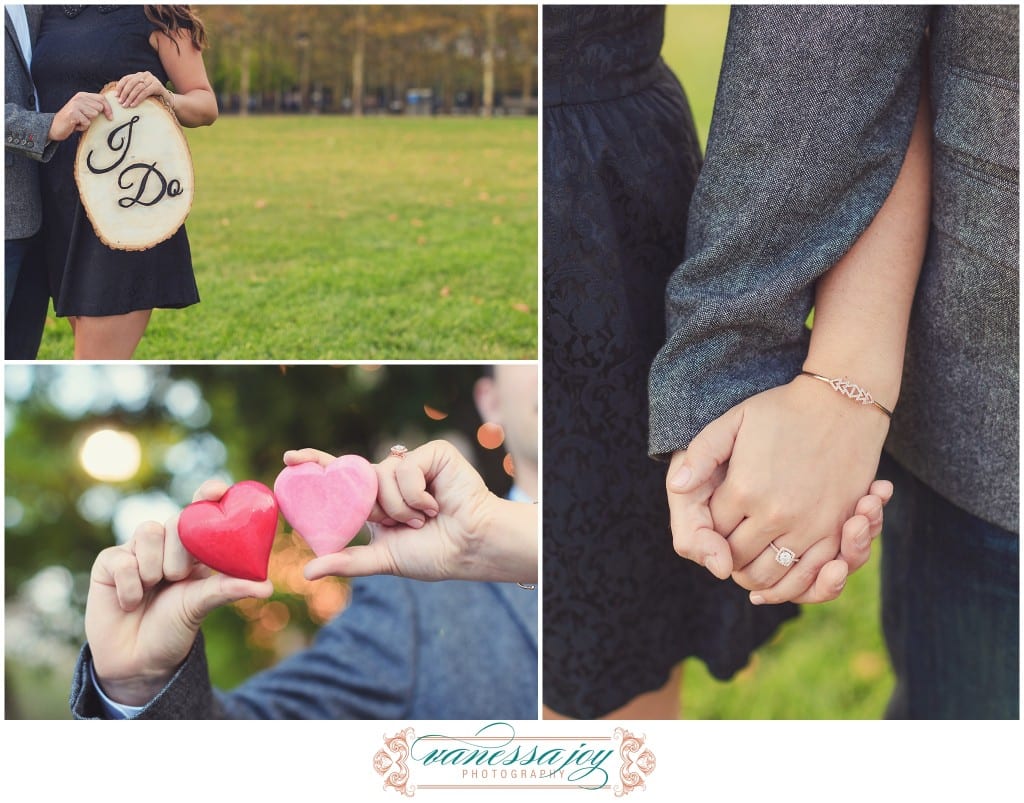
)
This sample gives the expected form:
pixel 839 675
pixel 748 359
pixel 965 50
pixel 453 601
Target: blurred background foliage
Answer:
pixel 829 663
pixel 162 431
pixel 360 59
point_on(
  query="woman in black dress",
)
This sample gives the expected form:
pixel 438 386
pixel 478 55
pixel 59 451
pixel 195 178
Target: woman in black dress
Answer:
pixel 621 158
pixel 107 295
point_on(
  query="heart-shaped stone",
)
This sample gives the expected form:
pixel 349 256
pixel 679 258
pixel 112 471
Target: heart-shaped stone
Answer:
pixel 233 535
pixel 327 506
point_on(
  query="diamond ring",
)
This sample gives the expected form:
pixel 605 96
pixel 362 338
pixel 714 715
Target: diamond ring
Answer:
pixel 784 556
pixel 398 451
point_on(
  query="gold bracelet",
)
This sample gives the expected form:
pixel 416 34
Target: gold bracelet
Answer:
pixel 168 101
pixel 851 390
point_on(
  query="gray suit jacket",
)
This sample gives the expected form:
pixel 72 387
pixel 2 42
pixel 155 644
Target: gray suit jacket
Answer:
pixel 813 115
pixel 401 650
pixel 25 135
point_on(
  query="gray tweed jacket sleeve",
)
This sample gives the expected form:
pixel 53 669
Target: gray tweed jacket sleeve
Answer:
pixel 402 650
pixel 26 133
pixel 812 119
pixel 188 695
pixel 25 129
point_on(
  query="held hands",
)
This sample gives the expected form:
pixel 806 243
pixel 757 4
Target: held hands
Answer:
pixel 788 467
pixel 147 599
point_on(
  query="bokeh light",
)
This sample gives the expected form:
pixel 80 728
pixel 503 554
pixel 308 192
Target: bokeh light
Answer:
pixel 490 436
pixel 434 414
pixel 111 456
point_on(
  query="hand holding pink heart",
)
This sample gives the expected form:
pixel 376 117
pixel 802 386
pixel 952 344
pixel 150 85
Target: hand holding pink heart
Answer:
pixel 328 505
pixel 235 534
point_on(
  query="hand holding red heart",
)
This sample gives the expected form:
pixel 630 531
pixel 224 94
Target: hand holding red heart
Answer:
pixel 147 599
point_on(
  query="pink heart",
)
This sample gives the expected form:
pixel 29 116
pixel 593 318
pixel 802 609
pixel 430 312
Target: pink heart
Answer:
pixel 327 506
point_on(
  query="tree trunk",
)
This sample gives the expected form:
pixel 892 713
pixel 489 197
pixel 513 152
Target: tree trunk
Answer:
pixel 245 77
pixel 491 28
pixel 304 88
pixel 358 62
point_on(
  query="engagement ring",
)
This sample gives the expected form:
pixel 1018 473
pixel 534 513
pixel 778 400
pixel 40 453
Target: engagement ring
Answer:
pixel 784 556
pixel 398 451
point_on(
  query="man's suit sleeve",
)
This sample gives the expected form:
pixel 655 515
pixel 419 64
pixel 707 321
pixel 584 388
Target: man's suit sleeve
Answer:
pixel 360 666
pixel 27 132
pixel 812 119
pixel 188 695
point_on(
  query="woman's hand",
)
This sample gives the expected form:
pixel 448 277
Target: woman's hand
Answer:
pixel 436 520
pixel 147 599
pixel 134 88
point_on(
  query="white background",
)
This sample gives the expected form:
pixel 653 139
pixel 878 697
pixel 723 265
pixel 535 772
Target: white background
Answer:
pixel 332 761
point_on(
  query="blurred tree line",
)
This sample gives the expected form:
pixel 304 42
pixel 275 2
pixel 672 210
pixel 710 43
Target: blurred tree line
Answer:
pixel 367 59
pixel 192 422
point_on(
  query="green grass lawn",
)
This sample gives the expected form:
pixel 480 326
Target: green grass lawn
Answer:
pixel 342 238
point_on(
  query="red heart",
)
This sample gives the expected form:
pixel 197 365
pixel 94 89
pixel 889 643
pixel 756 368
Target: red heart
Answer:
pixel 235 534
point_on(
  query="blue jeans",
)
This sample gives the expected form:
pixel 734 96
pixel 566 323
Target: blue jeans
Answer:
pixel 27 295
pixel 950 607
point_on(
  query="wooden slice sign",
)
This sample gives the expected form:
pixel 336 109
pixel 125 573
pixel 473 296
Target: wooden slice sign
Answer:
pixel 134 174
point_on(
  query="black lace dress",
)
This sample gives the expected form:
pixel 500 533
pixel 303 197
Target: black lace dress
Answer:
pixel 81 50
pixel 620 161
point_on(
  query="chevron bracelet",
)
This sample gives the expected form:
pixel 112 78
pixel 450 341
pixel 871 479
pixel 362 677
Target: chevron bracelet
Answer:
pixel 851 390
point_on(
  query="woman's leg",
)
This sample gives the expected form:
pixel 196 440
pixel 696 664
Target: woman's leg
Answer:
pixel 110 337
pixel 663 703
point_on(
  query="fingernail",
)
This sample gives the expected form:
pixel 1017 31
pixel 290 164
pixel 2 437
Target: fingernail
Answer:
pixel 431 513
pixel 862 539
pixel 711 564
pixel 682 477
pixel 840 586
pixel 756 599
pixel 415 523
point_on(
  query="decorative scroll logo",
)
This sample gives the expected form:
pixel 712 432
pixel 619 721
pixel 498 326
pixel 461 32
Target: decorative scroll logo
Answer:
pixel 637 763
pixel 118 142
pixel 496 758
pixel 391 762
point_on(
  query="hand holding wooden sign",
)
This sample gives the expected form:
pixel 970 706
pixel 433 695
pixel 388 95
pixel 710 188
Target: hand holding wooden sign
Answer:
pixel 134 174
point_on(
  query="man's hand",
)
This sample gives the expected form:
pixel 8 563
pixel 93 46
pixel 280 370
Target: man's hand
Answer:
pixel 78 114
pixel 147 599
